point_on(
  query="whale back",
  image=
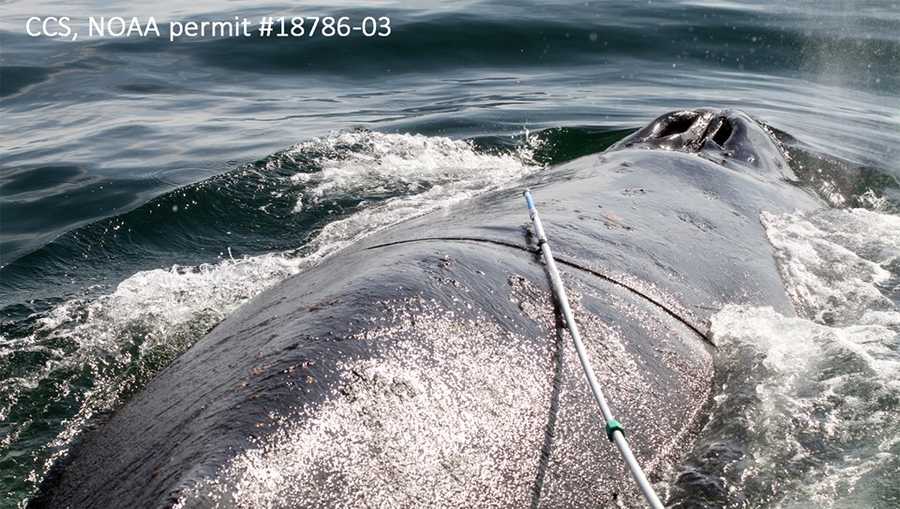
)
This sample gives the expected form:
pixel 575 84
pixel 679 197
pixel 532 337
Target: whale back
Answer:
pixel 426 365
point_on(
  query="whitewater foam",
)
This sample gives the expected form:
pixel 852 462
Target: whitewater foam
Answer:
pixel 372 164
pixel 835 261
pixel 807 410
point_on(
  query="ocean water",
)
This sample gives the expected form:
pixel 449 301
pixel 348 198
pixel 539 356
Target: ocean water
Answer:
pixel 148 188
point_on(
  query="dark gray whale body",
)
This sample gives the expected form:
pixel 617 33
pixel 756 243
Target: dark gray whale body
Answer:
pixel 426 365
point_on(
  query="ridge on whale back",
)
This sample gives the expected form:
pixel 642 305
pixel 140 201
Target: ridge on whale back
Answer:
pixel 426 364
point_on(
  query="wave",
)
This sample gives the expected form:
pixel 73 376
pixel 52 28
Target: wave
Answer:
pixel 842 44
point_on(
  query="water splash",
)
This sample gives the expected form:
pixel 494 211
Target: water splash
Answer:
pixel 836 262
pixel 819 405
pixel 807 410
pixel 366 164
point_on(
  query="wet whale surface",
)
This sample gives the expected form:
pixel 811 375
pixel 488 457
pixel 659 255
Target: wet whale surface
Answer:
pixel 426 365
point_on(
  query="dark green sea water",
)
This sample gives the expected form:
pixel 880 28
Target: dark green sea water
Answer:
pixel 149 188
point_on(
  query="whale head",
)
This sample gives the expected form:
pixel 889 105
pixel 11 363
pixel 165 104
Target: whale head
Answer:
pixel 730 138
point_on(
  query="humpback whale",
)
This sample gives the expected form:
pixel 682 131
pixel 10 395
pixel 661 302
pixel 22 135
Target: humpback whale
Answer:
pixel 427 365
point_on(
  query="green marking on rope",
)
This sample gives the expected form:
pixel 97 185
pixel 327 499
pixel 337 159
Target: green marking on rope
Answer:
pixel 612 426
